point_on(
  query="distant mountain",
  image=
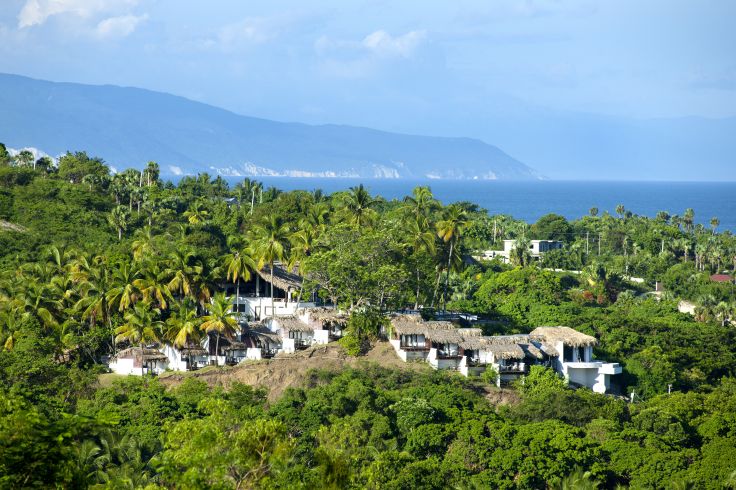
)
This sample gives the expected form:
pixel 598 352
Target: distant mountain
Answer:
pixel 130 126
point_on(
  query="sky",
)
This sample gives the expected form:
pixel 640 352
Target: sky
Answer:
pixel 425 67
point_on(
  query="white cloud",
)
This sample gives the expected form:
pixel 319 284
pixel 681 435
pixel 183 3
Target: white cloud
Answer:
pixel 384 44
pixel 36 12
pixel 252 30
pixel 120 26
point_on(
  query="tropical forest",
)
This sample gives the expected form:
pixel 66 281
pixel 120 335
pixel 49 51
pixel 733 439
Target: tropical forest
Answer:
pixel 95 260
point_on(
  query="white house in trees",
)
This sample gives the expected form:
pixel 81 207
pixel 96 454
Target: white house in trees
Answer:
pixel 133 361
pixel 537 248
pixel 575 360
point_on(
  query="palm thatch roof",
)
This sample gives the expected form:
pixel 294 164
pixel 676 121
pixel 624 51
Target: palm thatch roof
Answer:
pixel 262 332
pixel 282 278
pixel 135 354
pixel 323 316
pixel 502 346
pixel 293 324
pixel 506 351
pixel 193 350
pixel 414 325
pixel 452 335
pixel 236 346
pixel 566 335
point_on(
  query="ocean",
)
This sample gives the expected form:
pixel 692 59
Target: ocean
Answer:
pixel 530 200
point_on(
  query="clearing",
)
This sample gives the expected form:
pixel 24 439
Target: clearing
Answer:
pixel 291 370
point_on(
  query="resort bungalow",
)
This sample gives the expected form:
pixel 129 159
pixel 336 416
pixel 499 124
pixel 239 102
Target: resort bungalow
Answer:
pixel 294 333
pixel 252 299
pixel 328 323
pixel 261 342
pixel 408 336
pixel 187 358
pixel 445 350
pixel 575 357
pixel 133 361
pixel 508 355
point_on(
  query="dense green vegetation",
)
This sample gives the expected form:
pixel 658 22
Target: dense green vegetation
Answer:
pixel 91 261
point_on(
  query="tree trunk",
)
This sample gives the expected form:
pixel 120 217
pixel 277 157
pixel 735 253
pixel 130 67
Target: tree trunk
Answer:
pixel 416 302
pixel 447 277
pixel 252 199
pixel 237 297
pixel 273 309
pixel 142 361
pixel 120 234
pixel 217 349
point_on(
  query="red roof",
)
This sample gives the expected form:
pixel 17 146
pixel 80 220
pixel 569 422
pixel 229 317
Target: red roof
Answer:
pixel 721 278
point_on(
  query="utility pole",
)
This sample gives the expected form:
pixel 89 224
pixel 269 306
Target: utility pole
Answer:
pixel 494 230
pixel 662 245
pixel 599 244
pixel 633 394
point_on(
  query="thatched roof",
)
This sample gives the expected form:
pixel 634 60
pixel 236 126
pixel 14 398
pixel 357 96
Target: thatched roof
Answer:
pixel 293 324
pixel 325 316
pixel 531 350
pixel 548 349
pixel 506 351
pixel 282 278
pixel 452 335
pixel 135 354
pixel 410 326
pixel 566 335
pixel 193 350
pixel 261 331
pixel 236 346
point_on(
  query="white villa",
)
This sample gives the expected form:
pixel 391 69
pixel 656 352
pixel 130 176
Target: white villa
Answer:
pixel 444 346
pixel 129 361
pixel 536 248
pixel 328 323
pixel 187 358
pixel 252 299
pixel 576 361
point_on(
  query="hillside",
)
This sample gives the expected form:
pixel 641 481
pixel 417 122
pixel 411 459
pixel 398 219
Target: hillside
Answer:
pixel 130 126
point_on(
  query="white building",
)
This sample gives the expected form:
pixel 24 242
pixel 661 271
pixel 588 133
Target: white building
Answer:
pixel 328 323
pixel 252 299
pixel 537 248
pixel 137 361
pixel 575 360
pixel 409 336
pixel 187 358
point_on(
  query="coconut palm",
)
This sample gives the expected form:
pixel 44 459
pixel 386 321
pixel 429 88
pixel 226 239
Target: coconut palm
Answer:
pixel 419 239
pixel 620 211
pixel 181 271
pixel 520 254
pixel 420 204
pixel 141 326
pixel 270 243
pixel 450 230
pixel 357 205
pixel 688 219
pixel 119 219
pixel 239 265
pixel 219 320
pixel 197 214
pixel 153 285
pixel 124 293
pixel 714 222
pixel 143 243
pixel 722 312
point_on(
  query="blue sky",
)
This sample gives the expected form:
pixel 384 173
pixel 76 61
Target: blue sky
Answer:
pixel 415 66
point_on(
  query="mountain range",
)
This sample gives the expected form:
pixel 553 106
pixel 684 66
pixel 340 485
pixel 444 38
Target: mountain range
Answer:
pixel 130 126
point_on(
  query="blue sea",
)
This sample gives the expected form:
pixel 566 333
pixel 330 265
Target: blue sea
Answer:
pixel 530 200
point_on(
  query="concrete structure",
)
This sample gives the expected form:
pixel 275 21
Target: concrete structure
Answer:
pixel 129 361
pixel 575 360
pixel 328 323
pixel 537 248
pixel 252 299
pixel 186 358
pixel 408 336
pixel 445 346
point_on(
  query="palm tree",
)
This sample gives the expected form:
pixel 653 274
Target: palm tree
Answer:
pixel 620 211
pixel 714 222
pixel 593 212
pixel 182 327
pixel 197 214
pixel 141 326
pixel 722 311
pixel 143 243
pixel 153 286
pixel 450 230
pixel 520 254
pixel 357 205
pixel 239 265
pixel 181 270
pixel 151 173
pixel 420 204
pixel 124 293
pixel 220 320
pixel 271 241
pixel 419 239
pixel 119 218
pixel 688 219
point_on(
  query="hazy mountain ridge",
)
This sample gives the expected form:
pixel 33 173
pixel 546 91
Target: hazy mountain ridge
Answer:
pixel 129 126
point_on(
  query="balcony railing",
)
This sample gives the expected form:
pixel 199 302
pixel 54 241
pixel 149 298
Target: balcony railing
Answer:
pixel 414 347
